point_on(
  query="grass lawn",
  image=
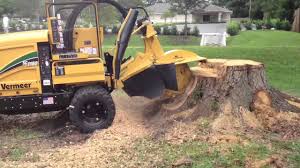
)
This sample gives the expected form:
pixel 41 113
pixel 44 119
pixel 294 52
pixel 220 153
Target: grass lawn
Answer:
pixel 278 50
pixel 206 155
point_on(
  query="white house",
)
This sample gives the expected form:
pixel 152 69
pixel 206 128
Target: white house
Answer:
pixel 158 10
pixel 210 14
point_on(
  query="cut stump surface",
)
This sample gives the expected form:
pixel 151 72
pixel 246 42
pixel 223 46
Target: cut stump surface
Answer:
pixel 237 93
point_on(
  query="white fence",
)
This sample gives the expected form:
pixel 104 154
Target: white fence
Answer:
pixel 206 28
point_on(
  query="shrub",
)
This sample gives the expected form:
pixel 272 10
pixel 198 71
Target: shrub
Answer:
pixel 104 29
pixel 195 31
pixel 268 24
pixel 275 23
pixel 248 25
pixel 33 26
pixel 186 29
pixel 244 21
pixel 233 28
pixel 174 30
pixel 115 30
pixel 1 27
pixel 285 25
pixel 86 25
pixel 157 29
pixel 259 24
pixel 12 25
pixel 45 25
pixel 166 30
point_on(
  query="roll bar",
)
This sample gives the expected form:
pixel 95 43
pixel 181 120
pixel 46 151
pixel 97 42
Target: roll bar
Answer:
pixel 68 35
pixel 122 10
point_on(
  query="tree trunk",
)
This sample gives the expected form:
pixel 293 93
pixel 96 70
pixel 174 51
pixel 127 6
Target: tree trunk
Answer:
pixel 296 23
pixel 185 23
pixel 237 93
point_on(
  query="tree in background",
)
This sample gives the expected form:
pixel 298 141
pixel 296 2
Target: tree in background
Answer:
pixel 168 14
pixel 186 7
pixel 131 3
pixel 109 16
pixel 287 9
pixel 7 7
pixel 220 2
pixel 269 7
pixel 261 9
pixel 24 8
pixel 240 8
pixel 282 9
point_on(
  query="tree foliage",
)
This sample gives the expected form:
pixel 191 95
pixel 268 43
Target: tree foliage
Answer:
pixel 168 14
pixel 7 7
pixel 287 9
pixel 131 3
pixel 261 9
pixel 283 9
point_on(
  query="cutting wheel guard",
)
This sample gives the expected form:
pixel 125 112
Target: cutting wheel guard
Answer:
pixel 153 82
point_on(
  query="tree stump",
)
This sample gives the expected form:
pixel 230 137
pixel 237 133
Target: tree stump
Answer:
pixel 236 92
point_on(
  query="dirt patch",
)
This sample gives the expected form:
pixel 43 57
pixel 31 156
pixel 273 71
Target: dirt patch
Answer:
pixel 274 161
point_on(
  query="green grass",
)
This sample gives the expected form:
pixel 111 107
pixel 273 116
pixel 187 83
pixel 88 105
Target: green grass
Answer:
pixel 13 145
pixel 136 40
pixel 17 153
pixel 208 155
pixel 201 153
pixel 278 50
pixel 292 148
pixel 265 39
pixel 24 134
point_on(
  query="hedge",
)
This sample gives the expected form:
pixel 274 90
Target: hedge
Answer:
pixel 268 24
pixel 233 28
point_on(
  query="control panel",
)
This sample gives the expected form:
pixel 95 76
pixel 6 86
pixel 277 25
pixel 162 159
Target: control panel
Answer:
pixel 45 67
pixel 56 32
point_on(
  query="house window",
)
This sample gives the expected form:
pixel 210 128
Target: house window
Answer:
pixel 206 18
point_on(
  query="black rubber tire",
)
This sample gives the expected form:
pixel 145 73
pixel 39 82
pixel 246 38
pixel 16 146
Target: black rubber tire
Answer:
pixel 90 94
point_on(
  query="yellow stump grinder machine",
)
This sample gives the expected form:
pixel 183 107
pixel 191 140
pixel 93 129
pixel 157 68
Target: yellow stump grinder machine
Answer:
pixel 67 68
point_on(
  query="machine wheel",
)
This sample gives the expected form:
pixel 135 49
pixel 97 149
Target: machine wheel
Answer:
pixel 92 108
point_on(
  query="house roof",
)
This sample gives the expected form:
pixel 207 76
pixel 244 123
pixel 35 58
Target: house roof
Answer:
pixel 160 8
pixel 214 8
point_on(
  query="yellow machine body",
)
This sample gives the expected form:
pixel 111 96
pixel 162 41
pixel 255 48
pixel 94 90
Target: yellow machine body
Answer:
pixel 17 48
pixel 33 65
pixel 19 66
pixel 17 75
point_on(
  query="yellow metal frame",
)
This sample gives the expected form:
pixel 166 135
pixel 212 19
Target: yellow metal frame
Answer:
pixel 14 46
pixel 155 55
pixel 22 75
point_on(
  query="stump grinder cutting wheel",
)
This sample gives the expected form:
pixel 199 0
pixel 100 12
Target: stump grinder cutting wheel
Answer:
pixel 66 67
